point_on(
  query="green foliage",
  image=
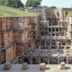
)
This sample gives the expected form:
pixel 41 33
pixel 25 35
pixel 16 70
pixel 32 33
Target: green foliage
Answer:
pixel 12 3
pixel 20 4
pixel 13 12
pixel 33 3
pixel 3 2
pixel 53 7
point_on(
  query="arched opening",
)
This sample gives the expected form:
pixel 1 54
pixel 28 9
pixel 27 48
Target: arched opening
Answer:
pixel 26 60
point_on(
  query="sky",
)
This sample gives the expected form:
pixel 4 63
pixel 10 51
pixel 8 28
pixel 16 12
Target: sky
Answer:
pixel 57 3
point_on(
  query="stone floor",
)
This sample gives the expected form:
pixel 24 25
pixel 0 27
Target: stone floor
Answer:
pixel 35 68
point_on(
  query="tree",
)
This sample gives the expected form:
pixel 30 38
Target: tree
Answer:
pixel 15 3
pixel 53 7
pixel 12 3
pixel 3 2
pixel 33 3
pixel 20 4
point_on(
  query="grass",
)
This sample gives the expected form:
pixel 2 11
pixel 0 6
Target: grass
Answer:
pixel 13 12
pixel 70 13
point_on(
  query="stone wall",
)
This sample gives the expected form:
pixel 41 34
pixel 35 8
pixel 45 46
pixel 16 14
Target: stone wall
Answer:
pixel 14 35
